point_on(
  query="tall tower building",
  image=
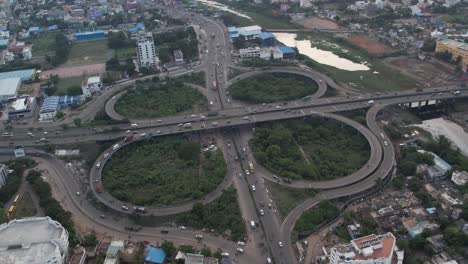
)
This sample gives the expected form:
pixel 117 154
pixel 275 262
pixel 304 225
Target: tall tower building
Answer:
pixel 146 51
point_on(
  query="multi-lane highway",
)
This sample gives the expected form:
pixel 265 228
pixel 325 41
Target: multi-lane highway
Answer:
pixel 215 58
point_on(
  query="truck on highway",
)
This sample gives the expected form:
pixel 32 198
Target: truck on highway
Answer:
pixel 251 167
pixel 98 187
pixel 212 113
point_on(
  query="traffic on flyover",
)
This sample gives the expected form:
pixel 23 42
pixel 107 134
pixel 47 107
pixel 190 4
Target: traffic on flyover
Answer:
pixel 272 238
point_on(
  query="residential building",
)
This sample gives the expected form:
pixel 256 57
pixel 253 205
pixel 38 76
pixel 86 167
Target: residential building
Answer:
pixel 459 178
pixel 372 249
pixel 91 86
pixel 249 53
pixel 415 227
pixel 193 258
pixel 436 242
pixel 9 88
pixel 443 258
pixel 154 255
pixel 440 168
pixel 3 175
pixel 23 106
pixel 38 240
pixel 178 56
pixel 271 53
pixel 456 48
pixel 146 51
pixel 113 252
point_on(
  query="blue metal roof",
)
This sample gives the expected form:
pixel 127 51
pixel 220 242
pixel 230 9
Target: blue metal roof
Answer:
pixel 97 32
pixel 4 42
pixel 24 75
pixel 286 49
pixel 155 255
pixel 266 35
pixel 54 103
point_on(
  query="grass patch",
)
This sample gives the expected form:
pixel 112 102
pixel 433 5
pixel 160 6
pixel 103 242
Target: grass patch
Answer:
pixel 25 207
pixel 287 198
pixel 223 215
pixel 315 149
pixel 43 42
pixel 64 84
pixel 321 214
pixel 197 78
pixel 269 21
pixel 125 52
pixel 230 19
pixel 273 87
pixel 162 172
pixel 149 100
pixel 89 52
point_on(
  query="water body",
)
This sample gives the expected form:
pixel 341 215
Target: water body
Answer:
pixel 318 55
pixel 449 129
pixel 223 8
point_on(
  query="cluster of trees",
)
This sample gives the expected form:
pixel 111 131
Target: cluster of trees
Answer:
pixel 119 40
pixel 62 47
pixel 222 215
pixel 410 158
pixel 163 172
pixel 114 64
pixel 273 87
pixel 183 39
pixel 197 78
pixel 14 179
pixel 149 100
pixel 330 149
pixel 321 214
pixel 51 206
pixel 448 57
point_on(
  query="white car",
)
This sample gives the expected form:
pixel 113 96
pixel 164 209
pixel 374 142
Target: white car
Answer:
pixel 240 243
pixel 158 132
pixel 269 261
pixel 125 208
pixel 128 131
pixel 106 155
pixel 98 165
pixel 262 212
pixel 116 146
pixel 143 135
pixel 134 125
pixel 253 188
pixel 280 244
pixel 247 172
pixel 371 102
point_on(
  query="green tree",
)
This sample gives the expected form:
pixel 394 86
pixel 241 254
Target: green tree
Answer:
pixel 90 240
pixel 74 90
pixel 168 247
pixel 77 122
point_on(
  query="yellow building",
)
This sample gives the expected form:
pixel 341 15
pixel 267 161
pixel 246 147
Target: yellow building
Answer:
pixel 454 47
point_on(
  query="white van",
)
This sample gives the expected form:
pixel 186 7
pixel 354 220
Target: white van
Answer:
pixel 252 224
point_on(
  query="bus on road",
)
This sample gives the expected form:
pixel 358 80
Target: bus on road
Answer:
pixel 251 167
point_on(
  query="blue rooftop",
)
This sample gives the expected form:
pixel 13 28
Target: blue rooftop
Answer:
pixel 250 31
pixel 55 103
pixel 286 49
pixel 34 29
pixel 97 32
pixel 4 42
pixel 155 255
pixel 266 35
pixel 24 75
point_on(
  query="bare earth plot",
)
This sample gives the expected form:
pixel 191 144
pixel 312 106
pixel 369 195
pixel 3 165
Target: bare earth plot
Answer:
pixel 430 72
pixel 370 45
pixel 64 72
pixel 318 23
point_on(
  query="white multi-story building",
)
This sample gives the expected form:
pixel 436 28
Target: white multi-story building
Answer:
pixel 262 53
pixel 372 249
pixel 250 53
pixel 460 178
pixel 38 240
pixel 91 86
pixel 3 175
pixel 146 51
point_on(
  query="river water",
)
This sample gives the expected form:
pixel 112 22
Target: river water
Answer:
pixel 318 55
pixel 449 129
pixel 223 8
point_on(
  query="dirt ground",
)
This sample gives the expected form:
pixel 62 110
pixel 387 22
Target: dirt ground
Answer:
pixel 432 72
pixel 372 46
pixel 64 72
pixel 318 23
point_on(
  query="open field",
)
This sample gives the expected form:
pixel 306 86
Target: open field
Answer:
pixel 64 72
pixel 125 52
pixel 90 52
pixel 287 198
pixel 430 72
pixel 25 207
pixel 318 23
pixel 372 46
pixel 65 83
